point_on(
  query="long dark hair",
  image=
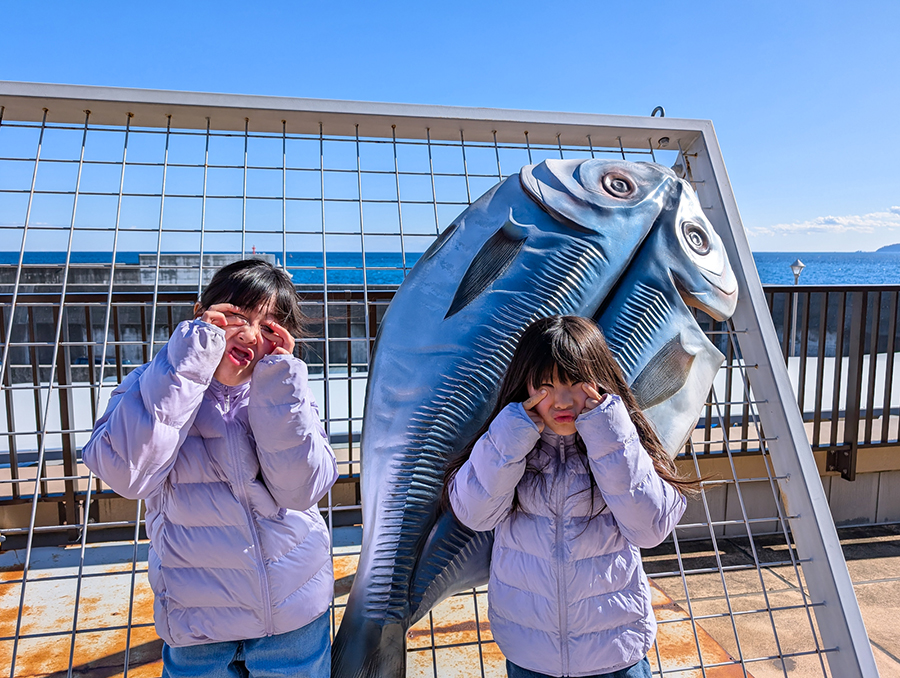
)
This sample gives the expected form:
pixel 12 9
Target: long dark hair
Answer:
pixel 250 283
pixel 573 350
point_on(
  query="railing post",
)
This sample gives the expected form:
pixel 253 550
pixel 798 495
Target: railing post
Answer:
pixel 793 350
pixel 843 458
pixel 12 442
pixel 66 423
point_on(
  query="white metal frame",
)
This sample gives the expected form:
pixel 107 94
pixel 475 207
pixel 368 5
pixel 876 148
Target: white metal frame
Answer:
pixel 796 479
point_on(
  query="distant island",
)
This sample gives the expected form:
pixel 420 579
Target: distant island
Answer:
pixel 890 248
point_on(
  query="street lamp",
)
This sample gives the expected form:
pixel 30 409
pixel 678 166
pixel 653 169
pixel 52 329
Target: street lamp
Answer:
pixel 796 268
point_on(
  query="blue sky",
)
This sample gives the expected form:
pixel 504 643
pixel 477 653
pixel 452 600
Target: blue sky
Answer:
pixel 804 95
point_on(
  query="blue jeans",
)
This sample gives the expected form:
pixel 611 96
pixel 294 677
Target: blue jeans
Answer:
pixel 304 653
pixel 639 670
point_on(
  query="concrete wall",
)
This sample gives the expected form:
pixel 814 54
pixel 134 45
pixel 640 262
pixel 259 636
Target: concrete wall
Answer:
pixel 731 507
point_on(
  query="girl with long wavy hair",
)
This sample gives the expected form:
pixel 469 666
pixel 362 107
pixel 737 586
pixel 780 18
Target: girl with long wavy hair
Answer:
pixel 573 481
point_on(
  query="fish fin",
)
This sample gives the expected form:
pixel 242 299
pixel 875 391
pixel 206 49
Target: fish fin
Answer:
pixel 453 559
pixel 643 313
pixel 664 375
pixel 440 241
pixel 492 259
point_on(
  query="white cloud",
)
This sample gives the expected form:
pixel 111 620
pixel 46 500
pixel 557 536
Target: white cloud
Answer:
pixel 862 223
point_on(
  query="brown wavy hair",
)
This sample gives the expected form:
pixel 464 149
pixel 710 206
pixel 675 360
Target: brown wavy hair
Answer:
pixel 573 350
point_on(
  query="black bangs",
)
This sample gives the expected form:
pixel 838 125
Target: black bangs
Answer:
pixel 252 283
pixel 251 291
pixel 560 355
pixel 287 309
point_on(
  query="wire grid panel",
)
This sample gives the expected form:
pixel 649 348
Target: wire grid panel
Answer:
pixel 114 216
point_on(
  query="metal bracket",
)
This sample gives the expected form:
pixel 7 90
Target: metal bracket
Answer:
pixel 843 460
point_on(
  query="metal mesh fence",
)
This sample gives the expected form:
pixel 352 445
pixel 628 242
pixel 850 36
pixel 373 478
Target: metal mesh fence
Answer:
pixel 111 223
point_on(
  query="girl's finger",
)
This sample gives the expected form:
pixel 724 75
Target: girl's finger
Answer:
pixel 593 396
pixel 591 391
pixel 535 399
pixel 215 318
pixel 224 307
pixel 218 314
pixel 284 337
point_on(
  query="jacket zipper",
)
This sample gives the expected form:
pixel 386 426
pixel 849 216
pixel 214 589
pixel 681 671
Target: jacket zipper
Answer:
pixel 560 572
pixel 254 530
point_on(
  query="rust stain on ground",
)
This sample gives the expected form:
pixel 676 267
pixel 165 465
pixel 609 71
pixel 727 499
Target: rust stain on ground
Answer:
pixel 461 627
pixel 144 649
pixel 492 653
pixel 40 656
pixel 345 566
pixel 143 605
pixel 344 573
pixel 9 617
pixel 90 605
pixel 97 655
pixel 101 654
pixel 678 645
pixel 12 573
pixel 676 640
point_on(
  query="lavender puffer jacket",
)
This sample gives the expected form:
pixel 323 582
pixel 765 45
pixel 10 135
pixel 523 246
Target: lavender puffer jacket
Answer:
pixel 231 476
pixel 568 596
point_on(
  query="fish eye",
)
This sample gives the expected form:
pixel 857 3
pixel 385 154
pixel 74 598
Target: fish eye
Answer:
pixel 618 185
pixel 696 236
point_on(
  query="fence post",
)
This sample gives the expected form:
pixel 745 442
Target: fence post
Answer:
pixel 69 510
pixel 843 458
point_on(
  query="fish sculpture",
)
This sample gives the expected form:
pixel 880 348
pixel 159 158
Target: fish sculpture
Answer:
pixel 559 237
pixel 666 358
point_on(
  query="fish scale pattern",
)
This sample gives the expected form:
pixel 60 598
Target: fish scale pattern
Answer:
pixel 645 310
pixel 410 507
pixel 437 575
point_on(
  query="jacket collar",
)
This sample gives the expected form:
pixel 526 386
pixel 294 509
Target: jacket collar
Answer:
pixel 221 392
pixel 559 443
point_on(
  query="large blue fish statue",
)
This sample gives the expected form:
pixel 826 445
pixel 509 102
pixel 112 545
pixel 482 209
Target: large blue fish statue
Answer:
pixel 625 243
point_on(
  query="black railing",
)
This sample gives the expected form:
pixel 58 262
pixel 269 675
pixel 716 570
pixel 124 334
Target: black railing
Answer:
pixel 841 361
pixel 839 344
pixel 99 340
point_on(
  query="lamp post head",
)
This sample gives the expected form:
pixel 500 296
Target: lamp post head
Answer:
pixel 796 269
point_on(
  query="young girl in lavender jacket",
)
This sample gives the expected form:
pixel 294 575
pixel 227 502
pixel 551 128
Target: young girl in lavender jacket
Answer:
pixel 221 436
pixel 573 481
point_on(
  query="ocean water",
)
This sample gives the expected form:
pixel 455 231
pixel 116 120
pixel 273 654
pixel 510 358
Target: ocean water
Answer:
pixel 307 268
pixel 387 268
pixel 830 268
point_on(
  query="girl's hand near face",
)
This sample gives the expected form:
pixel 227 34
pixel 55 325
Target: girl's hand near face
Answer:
pixel 529 405
pixel 594 397
pixel 219 314
pixel 280 337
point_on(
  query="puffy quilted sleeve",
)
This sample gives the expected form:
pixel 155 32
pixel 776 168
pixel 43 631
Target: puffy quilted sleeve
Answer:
pixel 297 462
pixel 136 441
pixel 482 491
pixel 646 507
